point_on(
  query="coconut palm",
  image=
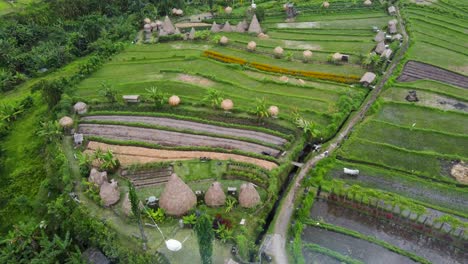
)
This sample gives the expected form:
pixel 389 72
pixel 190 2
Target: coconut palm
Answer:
pixel 213 97
pixel 108 92
pixel 109 162
pixel 157 96
pixel 307 127
pixel 261 109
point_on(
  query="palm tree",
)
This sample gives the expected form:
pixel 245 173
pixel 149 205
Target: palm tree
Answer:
pixel 50 130
pixel 109 162
pixel 261 110
pixel 157 96
pixel 108 92
pixel 307 127
pixel 213 97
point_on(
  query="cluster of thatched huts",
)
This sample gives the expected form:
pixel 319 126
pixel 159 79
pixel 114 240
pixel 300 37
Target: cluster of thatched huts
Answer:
pixel 242 27
pixel 108 191
pixel 383 37
pixel 178 199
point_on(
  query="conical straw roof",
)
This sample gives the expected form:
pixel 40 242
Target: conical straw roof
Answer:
pixel 227 27
pixel 240 28
pixel 126 205
pixel 255 26
pixel 248 196
pixel 109 193
pixel 177 198
pixel 97 177
pixel 66 122
pixel 168 26
pixel 215 195
pixel 191 35
pixel 214 28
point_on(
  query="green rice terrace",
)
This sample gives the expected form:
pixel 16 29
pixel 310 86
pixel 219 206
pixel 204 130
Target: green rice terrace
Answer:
pixel 234 131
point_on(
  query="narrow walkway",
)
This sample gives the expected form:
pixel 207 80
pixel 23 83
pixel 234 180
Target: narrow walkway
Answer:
pixel 276 247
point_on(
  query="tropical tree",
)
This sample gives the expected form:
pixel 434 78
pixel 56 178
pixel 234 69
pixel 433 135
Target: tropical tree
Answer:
pixel 213 97
pixel 158 97
pixel 261 109
pixel 49 130
pixel 307 127
pixel 205 235
pixel 135 202
pixel 108 92
pixel 108 161
pixel 9 113
pixel 230 203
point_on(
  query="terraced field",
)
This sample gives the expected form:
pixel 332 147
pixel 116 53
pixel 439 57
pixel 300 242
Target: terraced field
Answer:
pixel 416 71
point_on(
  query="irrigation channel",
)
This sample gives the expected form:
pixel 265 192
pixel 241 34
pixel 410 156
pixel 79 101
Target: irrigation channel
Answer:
pixel 392 231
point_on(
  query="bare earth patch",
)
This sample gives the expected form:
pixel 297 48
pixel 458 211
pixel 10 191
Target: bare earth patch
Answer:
pixel 195 80
pixel 189 25
pixel 301 45
pixel 460 172
pixel 128 155
pixel 461 69
pixel 298 25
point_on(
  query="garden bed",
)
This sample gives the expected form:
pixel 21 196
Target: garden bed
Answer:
pixel 129 155
pixel 168 138
pixel 414 70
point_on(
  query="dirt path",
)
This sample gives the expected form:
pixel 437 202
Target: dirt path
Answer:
pixel 128 155
pixel 169 138
pixel 189 125
pixel 277 247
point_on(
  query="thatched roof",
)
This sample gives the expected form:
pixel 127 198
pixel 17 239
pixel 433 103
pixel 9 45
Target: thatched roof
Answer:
pixel 80 108
pixel 380 36
pixel 97 177
pixel 240 28
pixel 174 100
pixel 168 26
pixel 228 10
pixel 307 54
pixel 227 27
pixel 391 10
pixel 147 27
pixel 397 37
pixel 387 53
pixel 248 196
pixel 255 26
pixel 147 20
pixel 251 45
pixel 337 56
pixel 227 104
pixel 380 47
pixel 66 122
pixel 177 198
pixel 368 77
pixel 392 29
pixel 191 35
pixel 284 78
pixel 162 32
pixel 214 28
pixel 325 4
pixel 177 31
pixel 263 36
pixel 215 195
pixel 273 110
pixel 278 51
pixel 368 2
pixel 224 40
pixel 109 193
pixel 245 24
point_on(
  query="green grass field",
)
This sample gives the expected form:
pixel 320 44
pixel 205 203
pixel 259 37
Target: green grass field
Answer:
pixel 6 7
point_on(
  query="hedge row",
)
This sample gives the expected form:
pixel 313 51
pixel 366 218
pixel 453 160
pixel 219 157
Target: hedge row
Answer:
pixel 270 68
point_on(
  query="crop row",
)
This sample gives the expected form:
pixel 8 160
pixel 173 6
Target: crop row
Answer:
pixel 270 68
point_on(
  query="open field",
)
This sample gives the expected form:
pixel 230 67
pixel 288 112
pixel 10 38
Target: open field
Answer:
pixel 129 155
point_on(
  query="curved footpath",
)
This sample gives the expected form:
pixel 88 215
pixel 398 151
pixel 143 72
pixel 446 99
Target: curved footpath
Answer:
pixel 275 246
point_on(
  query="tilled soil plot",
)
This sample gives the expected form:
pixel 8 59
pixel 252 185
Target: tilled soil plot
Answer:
pixel 128 155
pixel 169 138
pixel 417 70
pixel 182 124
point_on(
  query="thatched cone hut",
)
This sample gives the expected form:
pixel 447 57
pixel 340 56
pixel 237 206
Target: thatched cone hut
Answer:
pixel 248 196
pixel 227 104
pixel 215 195
pixel 154 25
pixel 177 31
pixel 368 2
pixel 240 28
pixel 284 78
pixel 251 46
pixel 174 100
pixel 255 26
pixel 179 12
pixel 168 26
pixel 228 10
pixel 80 108
pixel 191 35
pixel 227 27
pixel 326 4
pixel 177 198
pixel 273 111
pixel 97 177
pixel 66 122
pixel 223 40
pixel 214 28
pixel 278 52
pixel 109 193
pixel 147 20
pixel 307 54
pixel 245 24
